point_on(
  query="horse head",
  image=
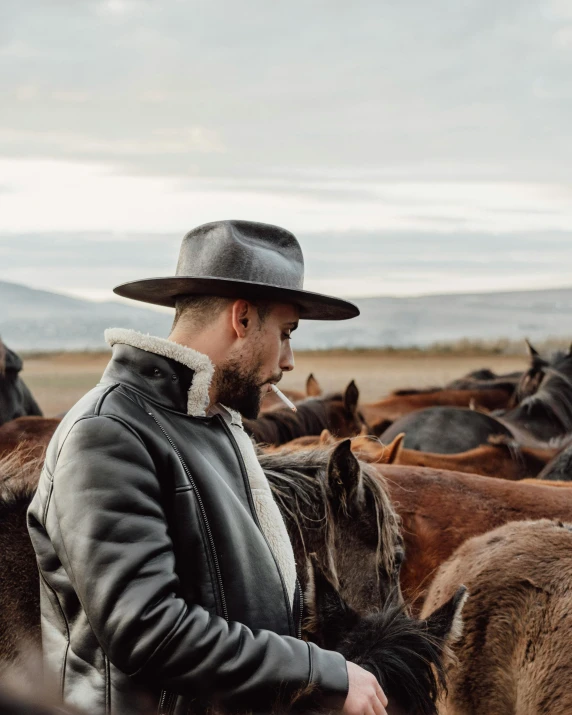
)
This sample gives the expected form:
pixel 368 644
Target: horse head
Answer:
pixel 337 508
pixel 343 416
pixel 406 655
pixel 531 378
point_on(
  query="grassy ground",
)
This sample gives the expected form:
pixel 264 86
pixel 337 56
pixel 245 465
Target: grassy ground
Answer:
pixel 59 380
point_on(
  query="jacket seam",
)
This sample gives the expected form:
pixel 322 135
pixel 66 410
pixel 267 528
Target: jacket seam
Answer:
pixel 99 403
pixel 107 684
pixel 47 504
pixel 65 620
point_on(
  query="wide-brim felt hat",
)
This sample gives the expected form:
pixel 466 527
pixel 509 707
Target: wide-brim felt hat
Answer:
pixel 240 259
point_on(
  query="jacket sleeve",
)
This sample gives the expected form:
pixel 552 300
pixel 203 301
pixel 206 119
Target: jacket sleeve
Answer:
pixel 109 530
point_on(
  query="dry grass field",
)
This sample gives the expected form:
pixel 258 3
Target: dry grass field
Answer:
pixel 57 381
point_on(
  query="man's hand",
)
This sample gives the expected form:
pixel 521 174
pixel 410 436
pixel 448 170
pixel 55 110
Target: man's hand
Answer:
pixel 365 696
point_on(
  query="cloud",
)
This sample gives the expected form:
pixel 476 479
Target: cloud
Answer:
pixel 68 196
pixel 392 87
pixel 354 263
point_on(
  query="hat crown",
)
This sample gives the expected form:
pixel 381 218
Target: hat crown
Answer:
pixel 245 251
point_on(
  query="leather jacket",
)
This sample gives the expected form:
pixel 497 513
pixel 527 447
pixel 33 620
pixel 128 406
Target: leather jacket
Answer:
pixel 159 592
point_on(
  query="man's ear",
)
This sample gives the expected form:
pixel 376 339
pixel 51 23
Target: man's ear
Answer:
pixel 241 317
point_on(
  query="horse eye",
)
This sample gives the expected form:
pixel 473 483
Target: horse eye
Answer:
pixel 399 558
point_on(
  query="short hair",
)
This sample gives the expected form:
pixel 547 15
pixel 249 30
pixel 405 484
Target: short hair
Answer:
pixel 201 309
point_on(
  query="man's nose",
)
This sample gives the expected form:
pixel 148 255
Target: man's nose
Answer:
pixel 287 359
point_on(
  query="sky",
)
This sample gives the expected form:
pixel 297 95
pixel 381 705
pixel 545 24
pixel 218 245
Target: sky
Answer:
pixel 413 147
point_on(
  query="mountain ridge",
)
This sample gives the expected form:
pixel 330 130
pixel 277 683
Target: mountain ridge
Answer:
pixel 39 320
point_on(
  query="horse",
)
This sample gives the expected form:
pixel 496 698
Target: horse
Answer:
pixel 380 415
pixel 15 398
pixel 404 654
pixel 514 653
pixel 543 413
pixel 271 400
pixel 559 469
pixel 19 586
pixel 440 509
pixel 445 430
pixel 29 434
pixel 486 379
pixel 502 458
pixel 560 466
pixel 322 494
pixel 338 412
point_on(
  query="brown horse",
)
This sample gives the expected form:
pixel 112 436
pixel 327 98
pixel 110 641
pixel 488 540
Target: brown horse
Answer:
pixel 502 459
pixel 440 510
pixel 31 434
pixel 271 400
pixel 337 413
pixel 514 654
pixel 380 415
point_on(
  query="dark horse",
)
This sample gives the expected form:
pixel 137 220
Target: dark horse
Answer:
pixel 324 495
pixel 337 413
pixel 15 398
pixel 404 654
pixel 544 412
pixel 559 469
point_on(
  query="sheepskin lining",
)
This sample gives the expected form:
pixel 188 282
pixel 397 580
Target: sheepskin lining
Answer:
pixel 201 365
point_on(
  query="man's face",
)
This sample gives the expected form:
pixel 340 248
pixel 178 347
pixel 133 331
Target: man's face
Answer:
pixel 258 360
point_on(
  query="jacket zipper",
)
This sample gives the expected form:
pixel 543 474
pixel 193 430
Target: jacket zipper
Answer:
pixel 254 514
pixel 301 599
pixel 169 699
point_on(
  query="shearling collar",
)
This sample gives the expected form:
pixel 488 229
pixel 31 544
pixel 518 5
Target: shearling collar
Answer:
pixel 200 364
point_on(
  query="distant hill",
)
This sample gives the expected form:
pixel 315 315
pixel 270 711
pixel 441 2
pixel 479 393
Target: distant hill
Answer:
pixel 40 320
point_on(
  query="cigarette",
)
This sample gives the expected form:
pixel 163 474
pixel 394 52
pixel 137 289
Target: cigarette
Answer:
pixel 284 399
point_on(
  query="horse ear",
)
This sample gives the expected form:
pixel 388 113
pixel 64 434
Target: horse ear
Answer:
pixel 535 358
pixel 313 388
pixel 326 437
pixel 344 475
pixel 330 615
pixel 393 450
pixel 351 397
pixel 532 351
pixel 446 623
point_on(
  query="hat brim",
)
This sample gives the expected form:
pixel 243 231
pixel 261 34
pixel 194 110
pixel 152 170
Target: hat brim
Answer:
pixel 164 291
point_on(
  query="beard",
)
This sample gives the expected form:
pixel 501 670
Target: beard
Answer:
pixel 239 387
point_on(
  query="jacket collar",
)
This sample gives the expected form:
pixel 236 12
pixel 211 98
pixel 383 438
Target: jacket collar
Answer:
pixel 196 383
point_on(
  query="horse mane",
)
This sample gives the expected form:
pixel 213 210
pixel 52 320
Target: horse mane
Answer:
pixel 415 391
pixel 282 425
pixel 19 474
pixel 299 482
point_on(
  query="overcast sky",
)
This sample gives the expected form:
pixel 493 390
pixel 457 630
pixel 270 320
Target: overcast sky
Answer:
pixel 413 146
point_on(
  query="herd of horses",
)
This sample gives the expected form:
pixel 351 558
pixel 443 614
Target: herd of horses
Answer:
pixel 430 529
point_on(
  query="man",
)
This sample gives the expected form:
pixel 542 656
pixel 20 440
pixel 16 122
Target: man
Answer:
pixel 168 582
